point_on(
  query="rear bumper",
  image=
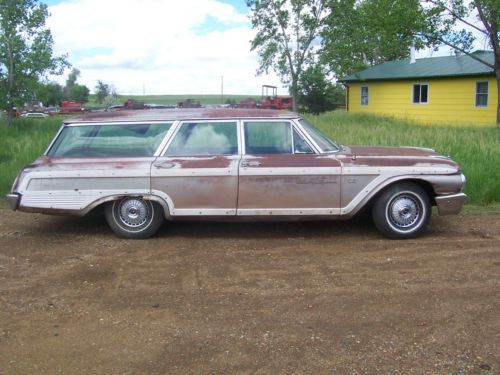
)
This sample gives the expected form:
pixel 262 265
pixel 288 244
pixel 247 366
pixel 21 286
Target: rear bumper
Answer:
pixel 13 199
pixel 450 204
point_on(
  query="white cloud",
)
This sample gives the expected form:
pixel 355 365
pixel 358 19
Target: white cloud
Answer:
pixel 168 47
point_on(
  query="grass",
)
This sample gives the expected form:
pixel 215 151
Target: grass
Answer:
pixel 476 149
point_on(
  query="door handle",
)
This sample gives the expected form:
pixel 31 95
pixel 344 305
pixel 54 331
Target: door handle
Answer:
pixel 250 163
pixel 165 165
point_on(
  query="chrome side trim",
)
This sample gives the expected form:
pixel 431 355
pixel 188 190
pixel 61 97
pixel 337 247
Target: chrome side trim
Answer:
pixel 450 204
pixel 288 211
pixel 13 200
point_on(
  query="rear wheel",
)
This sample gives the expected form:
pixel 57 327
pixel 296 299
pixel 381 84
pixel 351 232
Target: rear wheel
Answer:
pixel 402 211
pixel 134 217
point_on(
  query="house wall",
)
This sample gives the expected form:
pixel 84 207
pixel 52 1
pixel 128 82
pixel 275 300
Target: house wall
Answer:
pixel 450 100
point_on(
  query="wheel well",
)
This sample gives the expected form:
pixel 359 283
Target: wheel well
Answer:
pixel 426 186
pixel 99 208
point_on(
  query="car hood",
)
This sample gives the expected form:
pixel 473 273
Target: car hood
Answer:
pixel 410 157
pixel 393 151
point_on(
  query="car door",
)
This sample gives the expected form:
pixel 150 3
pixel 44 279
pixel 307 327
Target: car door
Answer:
pixel 198 172
pixel 280 173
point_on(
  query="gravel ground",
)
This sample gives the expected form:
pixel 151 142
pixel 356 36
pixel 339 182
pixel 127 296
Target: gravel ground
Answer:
pixel 249 298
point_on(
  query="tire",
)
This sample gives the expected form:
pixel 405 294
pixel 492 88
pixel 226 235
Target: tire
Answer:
pixel 134 217
pixel 402 211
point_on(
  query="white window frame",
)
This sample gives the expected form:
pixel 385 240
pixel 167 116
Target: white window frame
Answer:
pixel 413 92
pixel 487 94
pixel 361 96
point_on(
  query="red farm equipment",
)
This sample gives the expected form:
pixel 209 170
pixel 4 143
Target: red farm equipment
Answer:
pixel 271 100
pixel 70 107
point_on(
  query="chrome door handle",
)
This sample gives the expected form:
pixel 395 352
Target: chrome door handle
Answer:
pixel 250 163
pixel 165 165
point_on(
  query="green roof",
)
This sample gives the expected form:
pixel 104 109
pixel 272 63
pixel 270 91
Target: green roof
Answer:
pixel 432 67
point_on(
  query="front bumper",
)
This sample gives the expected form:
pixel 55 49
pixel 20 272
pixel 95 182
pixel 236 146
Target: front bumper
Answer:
pixel 13 199
pixel 450 204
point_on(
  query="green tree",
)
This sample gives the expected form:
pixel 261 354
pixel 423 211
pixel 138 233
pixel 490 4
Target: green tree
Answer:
pixel 26 54
pixel 457 23
pixel 73 90
pixel 359 34
pixel 50 94
pixel 316 93
pixel 287 32
pixel 102 91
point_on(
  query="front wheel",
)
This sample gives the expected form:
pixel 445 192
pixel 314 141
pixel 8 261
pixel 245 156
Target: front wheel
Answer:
pixel 402 211
pixel 134 217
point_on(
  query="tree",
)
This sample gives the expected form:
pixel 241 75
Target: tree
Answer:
pixel 455 23
pixel 286 34
pixel 316 93
pixel 73 90
pixel 102 90
pixel 359 34
pixel 26 54
pixel 50 94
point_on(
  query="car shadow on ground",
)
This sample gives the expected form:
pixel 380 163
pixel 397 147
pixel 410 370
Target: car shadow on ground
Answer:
pixel 95 224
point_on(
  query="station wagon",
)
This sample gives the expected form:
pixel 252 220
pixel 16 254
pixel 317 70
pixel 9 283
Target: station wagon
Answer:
pixel 143 167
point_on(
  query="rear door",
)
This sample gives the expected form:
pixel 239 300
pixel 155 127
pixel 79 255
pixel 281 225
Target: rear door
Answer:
pixel 199 170
pixel 281 173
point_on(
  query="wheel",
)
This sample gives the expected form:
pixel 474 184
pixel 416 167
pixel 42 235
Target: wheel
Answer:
pixel 402 211
pixel 134 217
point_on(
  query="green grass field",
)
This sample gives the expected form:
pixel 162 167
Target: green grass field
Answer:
pixel 173 99
pixel 476 149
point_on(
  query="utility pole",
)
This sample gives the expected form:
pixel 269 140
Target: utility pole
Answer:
pixel 222 89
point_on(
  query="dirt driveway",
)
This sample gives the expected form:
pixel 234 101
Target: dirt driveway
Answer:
pixel 267 298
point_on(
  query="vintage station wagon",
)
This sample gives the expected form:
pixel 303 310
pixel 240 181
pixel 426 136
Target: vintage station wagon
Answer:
pixel 147 166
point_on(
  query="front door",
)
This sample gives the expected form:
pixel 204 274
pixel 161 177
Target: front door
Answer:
pixel 280 173
pixel 198 173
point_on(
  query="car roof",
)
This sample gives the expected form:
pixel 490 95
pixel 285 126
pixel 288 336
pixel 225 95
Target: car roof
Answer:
pixel 180 114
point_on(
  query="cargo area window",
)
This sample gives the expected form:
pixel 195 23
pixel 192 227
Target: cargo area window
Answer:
pixel 117 140
pixel 482 94
pixel 204 138
pixel 364 95
pixel 420 93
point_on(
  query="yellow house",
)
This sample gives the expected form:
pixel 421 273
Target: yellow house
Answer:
pixel 449 89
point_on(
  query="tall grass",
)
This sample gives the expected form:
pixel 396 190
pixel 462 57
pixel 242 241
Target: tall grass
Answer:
pixel 21 143
pixel 476 149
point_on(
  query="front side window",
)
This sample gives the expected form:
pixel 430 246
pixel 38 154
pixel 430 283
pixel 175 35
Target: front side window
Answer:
pixel 482 94
pixel 117 140
pixel 300 146
pixel 420 93
pixel 364 95
pixel 205 138
pixel 324 143
pixel 268 138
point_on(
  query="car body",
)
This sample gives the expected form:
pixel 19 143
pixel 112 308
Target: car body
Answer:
pixel 147 166
pixel 35 115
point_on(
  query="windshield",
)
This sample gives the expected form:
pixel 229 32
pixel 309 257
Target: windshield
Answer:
pixel 117 140
pixel 325 143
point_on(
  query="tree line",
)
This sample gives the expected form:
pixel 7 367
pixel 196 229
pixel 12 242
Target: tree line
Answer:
pixel 310 42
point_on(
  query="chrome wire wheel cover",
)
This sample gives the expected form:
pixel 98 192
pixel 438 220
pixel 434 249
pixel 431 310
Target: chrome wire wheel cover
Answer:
pixel 133 212
pixel 404 211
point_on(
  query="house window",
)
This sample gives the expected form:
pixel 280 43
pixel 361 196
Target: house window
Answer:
pixel 364 95
pixel 420 93
pixel 482 94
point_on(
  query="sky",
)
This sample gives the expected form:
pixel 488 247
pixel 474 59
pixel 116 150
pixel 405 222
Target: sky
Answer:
pixel 159 46
pixel 163 46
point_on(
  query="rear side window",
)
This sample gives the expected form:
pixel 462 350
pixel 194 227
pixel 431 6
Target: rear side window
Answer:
pixel 120 140
pixel 204 138
pixel 268 138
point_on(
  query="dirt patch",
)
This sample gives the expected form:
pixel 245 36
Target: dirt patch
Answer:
pixel 310 298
